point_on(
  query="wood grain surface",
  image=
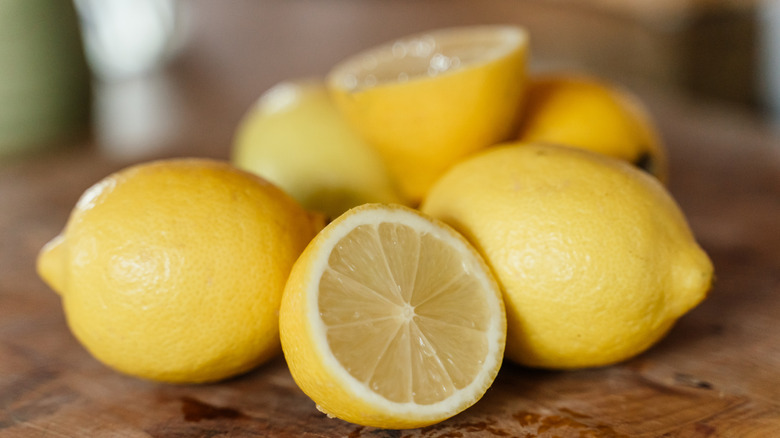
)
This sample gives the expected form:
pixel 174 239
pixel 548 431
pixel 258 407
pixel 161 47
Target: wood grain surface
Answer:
pixel 717 374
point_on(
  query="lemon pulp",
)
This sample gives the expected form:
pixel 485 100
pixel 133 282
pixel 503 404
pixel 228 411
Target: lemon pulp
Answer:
pixel 422 313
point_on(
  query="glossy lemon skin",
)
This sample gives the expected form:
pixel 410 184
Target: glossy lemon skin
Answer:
pixel 592 114
pixel 173 270
pixel 595 259
pixel 295 138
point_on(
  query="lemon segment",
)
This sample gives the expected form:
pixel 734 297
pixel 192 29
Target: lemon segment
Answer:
pixel 595 259
pixel 426 101
pixel 392 320
pixel 295 138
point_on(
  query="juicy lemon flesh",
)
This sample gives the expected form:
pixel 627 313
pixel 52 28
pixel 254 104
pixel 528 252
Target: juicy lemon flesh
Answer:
pixel 412 330
pixel 428 55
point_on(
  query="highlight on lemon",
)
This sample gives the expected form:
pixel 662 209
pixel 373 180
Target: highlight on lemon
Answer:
pixel 428 100
pixel 173 270
pixel 391 319
pixel 595 259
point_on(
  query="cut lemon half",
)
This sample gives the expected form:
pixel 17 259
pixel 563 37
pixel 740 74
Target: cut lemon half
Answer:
pixel 426 101
pixel 391 319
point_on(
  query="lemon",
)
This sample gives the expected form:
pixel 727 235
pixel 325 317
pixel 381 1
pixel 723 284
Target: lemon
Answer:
pixel 391 319
pixel 428 100
pixel 594 257
pixel 295 137
pixel 173 270
pixel 590 113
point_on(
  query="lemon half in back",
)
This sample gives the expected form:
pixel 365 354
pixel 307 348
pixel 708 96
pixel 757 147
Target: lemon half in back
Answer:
pixel 391 319
pixel 426 101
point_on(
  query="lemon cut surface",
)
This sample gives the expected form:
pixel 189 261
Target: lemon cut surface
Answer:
pixel 391 319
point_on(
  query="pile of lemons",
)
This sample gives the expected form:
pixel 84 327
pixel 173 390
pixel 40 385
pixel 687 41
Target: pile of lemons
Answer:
pixel 397 229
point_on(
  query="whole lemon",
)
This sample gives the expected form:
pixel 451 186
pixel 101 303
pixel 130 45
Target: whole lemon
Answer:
pixel 295 138
pixel 593 114
pixel 173 270
pixel 595 259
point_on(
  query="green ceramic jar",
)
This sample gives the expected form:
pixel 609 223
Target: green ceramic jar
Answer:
pixel 45 94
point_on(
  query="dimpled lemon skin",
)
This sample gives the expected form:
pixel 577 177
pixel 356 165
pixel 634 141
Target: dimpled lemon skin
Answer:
pixel 589 113
pixel 295 138
pixel 173 270
pixel 595 259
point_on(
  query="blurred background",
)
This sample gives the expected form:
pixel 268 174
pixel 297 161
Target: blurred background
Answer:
pixel 143 78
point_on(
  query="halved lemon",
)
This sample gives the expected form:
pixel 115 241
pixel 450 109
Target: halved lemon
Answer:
pixel 391 319
pixel 426 101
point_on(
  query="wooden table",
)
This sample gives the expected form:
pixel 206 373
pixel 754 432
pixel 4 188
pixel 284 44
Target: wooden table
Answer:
pixel 717 374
